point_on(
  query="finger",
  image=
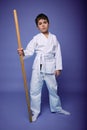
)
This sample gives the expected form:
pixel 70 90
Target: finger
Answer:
pixel 20 49
pixel 55 73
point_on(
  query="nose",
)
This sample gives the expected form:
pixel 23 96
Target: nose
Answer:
pixel 43 25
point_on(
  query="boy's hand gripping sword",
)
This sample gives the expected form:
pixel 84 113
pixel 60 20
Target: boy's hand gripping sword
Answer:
pixel 22 65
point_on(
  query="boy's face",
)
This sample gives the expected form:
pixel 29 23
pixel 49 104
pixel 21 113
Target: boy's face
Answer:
pixel 43 25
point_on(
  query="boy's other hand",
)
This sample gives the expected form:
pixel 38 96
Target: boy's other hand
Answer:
pixel 20 51
pixel 57 72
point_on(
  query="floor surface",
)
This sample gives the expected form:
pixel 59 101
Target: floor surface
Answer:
pixel 14 115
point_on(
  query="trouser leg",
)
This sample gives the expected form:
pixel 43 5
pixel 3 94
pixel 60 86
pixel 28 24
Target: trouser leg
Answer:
pixel 35 91
pixel 54 99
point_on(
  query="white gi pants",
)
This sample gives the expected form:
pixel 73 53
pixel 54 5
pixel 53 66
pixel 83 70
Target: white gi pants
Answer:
pixel 35 91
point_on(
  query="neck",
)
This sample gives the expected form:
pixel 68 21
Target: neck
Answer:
pixel 46 34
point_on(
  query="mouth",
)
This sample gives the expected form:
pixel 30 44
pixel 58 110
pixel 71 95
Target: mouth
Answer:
pixel 43 28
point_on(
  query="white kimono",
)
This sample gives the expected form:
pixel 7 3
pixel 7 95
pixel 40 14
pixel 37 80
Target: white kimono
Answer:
pixel 48 54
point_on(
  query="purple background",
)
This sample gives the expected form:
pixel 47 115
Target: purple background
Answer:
pixel 68 22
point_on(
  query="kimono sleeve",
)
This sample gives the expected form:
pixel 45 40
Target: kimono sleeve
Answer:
pixel 29 51
pixel 58 56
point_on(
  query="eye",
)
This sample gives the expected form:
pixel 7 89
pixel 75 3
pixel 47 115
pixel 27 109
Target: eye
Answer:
pixel 39 23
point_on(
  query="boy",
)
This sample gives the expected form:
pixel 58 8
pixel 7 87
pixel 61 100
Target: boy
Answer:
pixel 47 65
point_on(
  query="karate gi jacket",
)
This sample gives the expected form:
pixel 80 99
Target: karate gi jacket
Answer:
pixel 48 53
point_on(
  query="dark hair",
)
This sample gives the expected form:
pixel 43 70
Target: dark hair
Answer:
pixel 41 16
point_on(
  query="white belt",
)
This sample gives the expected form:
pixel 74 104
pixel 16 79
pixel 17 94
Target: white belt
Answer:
pixel 42 60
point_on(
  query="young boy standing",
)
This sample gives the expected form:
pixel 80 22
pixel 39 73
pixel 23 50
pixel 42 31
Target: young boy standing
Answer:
pixel 47 65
